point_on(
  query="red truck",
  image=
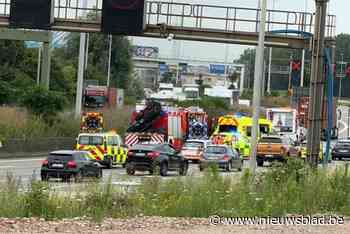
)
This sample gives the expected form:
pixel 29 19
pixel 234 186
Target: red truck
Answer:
pixel 155 125
pixel 99 96
pixel 303 112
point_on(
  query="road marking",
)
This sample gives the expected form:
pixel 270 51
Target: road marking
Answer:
pixel 5 167
pixel 345 126
pixel 21 160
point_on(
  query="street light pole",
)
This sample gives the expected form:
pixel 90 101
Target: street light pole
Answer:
pixel 317 84
pixel 258 77
pixel 109 60
pixel 341 75
pixel 81 68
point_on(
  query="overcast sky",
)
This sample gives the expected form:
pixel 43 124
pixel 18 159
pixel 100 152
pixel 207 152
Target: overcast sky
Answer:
pixel 216 52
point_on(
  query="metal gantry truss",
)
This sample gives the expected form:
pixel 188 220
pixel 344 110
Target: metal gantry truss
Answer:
pixel 198 22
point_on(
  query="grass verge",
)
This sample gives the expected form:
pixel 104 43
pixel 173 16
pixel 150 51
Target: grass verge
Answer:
pixel 284 189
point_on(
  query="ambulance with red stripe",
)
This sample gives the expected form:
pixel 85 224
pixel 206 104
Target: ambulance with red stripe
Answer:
pixel 106 148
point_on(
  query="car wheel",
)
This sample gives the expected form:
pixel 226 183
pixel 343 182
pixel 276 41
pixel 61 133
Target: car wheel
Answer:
pixel 130 170
pixel 44 177
pixel 340 158
pixel 110 163
pixel 183 169
pixel 260 162
pixel 78 177
pixel 229 166
pixel 124 165
pixel 163 169
pixel 99 174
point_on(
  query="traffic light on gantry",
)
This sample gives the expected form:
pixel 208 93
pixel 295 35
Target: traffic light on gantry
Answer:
pixel 123 17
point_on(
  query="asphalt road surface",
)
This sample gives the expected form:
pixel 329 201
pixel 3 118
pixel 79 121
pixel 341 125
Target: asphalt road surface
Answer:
pixel 29 168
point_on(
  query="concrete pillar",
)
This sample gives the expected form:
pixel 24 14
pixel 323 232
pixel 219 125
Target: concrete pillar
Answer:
pixel 46 65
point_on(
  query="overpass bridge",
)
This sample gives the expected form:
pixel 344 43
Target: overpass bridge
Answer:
pixel 182 21
pixel 178 21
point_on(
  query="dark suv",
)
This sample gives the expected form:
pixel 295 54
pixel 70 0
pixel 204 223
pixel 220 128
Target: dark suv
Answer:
pixel 155 158
pixel 66 163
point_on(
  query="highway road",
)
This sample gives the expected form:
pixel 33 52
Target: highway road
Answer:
pixel 27 169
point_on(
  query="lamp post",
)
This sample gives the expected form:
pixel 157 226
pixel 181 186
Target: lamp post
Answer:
pixel 258 72
pixel 341 75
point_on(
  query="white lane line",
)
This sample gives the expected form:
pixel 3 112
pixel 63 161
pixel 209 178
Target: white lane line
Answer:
pixel 345 126
pixel 6 167
pixel 21 160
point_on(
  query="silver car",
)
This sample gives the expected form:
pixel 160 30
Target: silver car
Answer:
pixel 223 156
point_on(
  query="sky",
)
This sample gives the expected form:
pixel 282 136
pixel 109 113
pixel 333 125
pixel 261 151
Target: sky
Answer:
pixel 222 53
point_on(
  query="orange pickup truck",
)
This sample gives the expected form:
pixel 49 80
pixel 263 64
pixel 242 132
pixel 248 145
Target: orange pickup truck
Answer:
pixel 275 148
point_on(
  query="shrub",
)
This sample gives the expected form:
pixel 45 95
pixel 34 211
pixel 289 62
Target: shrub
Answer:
pixel 43 103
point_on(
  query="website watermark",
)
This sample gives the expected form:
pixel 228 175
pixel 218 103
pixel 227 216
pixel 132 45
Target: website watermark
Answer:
pixel 292 220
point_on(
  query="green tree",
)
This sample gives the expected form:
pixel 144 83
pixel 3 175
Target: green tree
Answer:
pixel 44 103
pixel 343 47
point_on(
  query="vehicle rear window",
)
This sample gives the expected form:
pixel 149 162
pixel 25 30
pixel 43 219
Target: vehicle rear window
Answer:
pixel 91 140
pixel 216 150
pixel 193 144
pixel 271 140
pixel 61 157
pixel 343 143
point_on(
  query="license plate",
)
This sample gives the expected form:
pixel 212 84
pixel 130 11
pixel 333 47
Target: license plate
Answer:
pixel 343 151
pixel 56 165
pixel 269 156
pixel 139 154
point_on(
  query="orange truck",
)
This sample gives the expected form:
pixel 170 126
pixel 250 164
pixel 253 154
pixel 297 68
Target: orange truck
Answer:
pixel 275 148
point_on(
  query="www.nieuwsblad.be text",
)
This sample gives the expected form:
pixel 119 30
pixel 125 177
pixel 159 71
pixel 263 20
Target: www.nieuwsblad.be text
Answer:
pixel 298 220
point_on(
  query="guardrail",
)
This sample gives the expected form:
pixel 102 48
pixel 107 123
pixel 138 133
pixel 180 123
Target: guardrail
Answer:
pixel 19 145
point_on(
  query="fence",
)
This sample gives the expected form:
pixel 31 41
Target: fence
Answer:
pixel 18 145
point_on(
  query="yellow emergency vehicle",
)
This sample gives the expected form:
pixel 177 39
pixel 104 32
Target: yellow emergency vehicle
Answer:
pixel 245 126
pixel 107 148
pixel 227 132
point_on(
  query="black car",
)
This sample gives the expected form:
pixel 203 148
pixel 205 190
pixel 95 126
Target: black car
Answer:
pixel 155 159
pixel 223 156
pixel 341 150
pixel 66 164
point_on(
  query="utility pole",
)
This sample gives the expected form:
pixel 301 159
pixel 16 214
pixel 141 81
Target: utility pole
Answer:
pixel 269 74
pixel 39 66
pixel 258 78
pixel 317 84
pixel 109 60
pixel 302 68
pixel 81 68
pixel 341 75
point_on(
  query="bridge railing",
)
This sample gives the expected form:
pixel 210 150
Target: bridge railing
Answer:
pixel 193 16
pixel 230 19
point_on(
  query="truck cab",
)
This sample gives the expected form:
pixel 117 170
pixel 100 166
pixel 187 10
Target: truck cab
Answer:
pixel 227 132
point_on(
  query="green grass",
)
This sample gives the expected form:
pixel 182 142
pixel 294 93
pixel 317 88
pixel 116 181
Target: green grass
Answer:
pixel 284 189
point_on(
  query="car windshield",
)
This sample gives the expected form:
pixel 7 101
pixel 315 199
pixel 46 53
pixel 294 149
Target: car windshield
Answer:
pixel 271 140
pixel 193 144
pixel 95 99
pixel 216 150
pixel 264 129
pixel 91 140
pixel 227 128
pixel 61 157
